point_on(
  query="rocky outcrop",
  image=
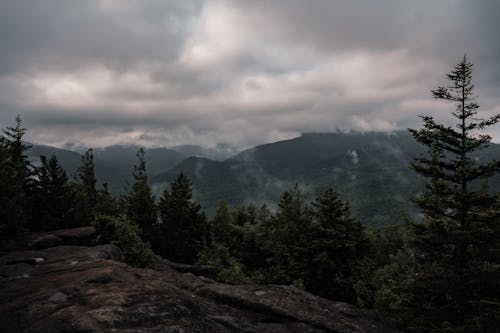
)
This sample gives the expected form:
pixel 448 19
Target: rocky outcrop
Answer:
pixel 90 289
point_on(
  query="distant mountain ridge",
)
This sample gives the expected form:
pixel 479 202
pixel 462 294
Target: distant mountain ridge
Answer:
pixel 113 165
pixel 370 170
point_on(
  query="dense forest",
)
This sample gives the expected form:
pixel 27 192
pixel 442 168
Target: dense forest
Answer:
pixel 436 272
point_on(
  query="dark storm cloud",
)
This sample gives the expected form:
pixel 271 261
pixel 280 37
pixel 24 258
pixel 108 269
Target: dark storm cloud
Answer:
pixel 243 72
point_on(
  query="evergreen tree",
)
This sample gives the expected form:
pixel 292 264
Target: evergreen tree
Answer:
pixel 316 247
pixel 106 204
pixel 336 245
pixel 286 240
pixel 15 180
pixel 453 255
pixel 182 230
pixel 53 206
pixel 237 243
pixel 16 148
pixel 86 177
pixel 12 207
pixel 139 201
pixel 222 227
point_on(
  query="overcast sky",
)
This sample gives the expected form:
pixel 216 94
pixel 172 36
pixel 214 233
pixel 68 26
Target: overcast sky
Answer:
pixel 166 72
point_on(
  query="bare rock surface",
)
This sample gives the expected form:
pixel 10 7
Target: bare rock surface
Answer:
pixel 90 289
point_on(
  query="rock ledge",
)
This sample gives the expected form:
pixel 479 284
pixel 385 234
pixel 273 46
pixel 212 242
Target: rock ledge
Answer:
pixel 71 288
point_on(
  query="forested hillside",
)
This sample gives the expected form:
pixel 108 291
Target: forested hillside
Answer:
pixel 369 169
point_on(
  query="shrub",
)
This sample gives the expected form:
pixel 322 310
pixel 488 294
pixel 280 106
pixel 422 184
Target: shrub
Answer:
pixel 123 233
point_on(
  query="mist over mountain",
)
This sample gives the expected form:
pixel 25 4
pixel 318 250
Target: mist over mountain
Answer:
pixel 370 170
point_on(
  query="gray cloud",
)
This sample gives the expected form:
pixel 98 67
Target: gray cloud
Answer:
pixel 158 72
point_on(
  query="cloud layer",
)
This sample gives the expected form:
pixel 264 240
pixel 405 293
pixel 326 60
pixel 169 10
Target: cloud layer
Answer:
pixel 161 73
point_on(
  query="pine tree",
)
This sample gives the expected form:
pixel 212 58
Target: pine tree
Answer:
pixel 139 200
pixel 183 228
pixel 453 255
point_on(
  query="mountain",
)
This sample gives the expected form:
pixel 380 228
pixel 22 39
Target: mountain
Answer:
pixel 370 170
pixel 219 153
pixel 70 160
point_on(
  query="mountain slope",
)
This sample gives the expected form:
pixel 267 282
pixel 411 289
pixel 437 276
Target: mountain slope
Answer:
pixel 370 170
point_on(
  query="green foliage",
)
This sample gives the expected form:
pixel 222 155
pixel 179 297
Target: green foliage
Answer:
pixel 125 234
pixel 236 244
pixel 182 230
pixel 337 243
pixel 230 269
pixel 287 240
pixel 317 247
pixel 139 200
pixel 106 204
pixel 381 245
pixel 448 276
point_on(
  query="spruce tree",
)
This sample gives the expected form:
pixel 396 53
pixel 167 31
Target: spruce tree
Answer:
pixel 452 257
pixel 183 229
pixel 139 200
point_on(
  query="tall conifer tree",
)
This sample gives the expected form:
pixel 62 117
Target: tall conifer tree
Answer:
pixel 183 228
pixel 452 282
pixel 53 204
pixel 15 182
pixel 337 243
pixel 139 200
pixel 86 176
